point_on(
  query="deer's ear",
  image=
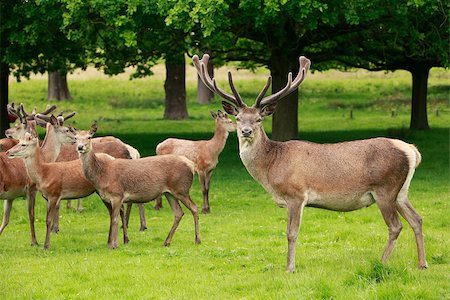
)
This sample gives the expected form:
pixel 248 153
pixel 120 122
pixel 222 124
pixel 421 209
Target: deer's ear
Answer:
pixel 53 120
pixel 268 110
pixel 93 129
pixel 229 108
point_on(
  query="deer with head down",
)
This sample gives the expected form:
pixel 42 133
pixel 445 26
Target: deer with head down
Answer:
pixel 119 181
pixel 205 154
pixel 341 177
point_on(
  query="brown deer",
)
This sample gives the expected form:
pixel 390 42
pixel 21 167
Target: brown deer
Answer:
pixel 341 177
pixel 205 154
pixel 57 148
pixel 14 180
pixel 119 181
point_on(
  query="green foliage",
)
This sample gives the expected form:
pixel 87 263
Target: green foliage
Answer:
pixel 243 250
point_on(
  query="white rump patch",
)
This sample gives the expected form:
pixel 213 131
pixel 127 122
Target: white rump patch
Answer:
pixel 410 153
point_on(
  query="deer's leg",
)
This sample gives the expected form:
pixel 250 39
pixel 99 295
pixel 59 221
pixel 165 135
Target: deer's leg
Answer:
pixel 108 206
pixel 127 214
pixel 124 226
pixel 69 204
pixel 158 204
pixel 202 176
pixel 80 206
pixel 386 204
pixel 414 220
pixel 187 201
pixel 7 206
pixel 116 205
pixel 294 211
pixel 52 203
pixel 31 199
pixel 55 226
pixel 177 213
pixel 142 217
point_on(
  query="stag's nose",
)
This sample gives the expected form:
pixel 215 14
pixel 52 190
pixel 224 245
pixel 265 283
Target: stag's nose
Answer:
pixel 80 147
pixel 246 132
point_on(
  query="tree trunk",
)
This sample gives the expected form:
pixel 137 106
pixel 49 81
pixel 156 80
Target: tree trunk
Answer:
pixel 175 88
pixel 285 120
pixel 4 91
pixel 57 86
pixel 204 94
pixel 419 116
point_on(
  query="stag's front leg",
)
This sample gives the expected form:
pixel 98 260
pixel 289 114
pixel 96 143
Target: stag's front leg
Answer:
pixel 124 226
pixel 295 211
pixel 202 176
pixel 142 217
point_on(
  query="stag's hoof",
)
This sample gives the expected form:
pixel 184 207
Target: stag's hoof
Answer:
pixel 157 206
pixel 34 243
pixel 197 241
pixel 143 228
pixel 112 246
pixel 206 210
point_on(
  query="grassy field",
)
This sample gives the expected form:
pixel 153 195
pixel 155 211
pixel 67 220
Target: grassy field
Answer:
pixel 244 246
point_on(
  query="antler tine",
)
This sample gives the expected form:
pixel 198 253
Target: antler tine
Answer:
pixel 263 92
pixel 49 109
pixel 202 69
pixel 42 117
pixel 278 95
pixel 233 89
pixel 69 115
pixel 305 64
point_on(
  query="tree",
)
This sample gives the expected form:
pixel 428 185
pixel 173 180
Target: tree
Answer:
pixel 275 33
pixel 123 34
pixel 414 38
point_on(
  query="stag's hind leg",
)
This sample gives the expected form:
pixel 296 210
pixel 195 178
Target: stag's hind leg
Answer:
pixel 187 201
pixel 6 214
pixel 414 220
pixel 386 204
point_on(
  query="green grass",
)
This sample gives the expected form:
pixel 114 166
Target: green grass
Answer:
pixel 244 247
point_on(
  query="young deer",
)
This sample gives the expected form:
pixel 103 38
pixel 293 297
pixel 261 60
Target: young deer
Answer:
pixel 341 177
pixel 14 180
pixel 119 181
pixel 56 148
pixel 205 154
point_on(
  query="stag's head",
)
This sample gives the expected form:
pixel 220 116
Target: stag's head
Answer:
pixel 249 119
pixel 83 139
pixel 25 148
pixel 62 133
pixel 26 121
pixel 224 121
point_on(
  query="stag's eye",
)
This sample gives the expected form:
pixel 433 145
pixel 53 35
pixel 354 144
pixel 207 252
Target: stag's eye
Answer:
pixel 259 120
pixel 238 119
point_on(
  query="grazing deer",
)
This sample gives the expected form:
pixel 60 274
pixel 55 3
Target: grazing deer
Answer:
pixel 205 154
pixel 341 177
pixel 119 181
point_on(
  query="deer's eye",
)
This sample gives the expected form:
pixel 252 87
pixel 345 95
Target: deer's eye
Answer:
pixel 238 119
pixel 259 120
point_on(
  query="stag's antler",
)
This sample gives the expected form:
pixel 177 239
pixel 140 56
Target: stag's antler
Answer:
pixel 290 86
pixel 202 70
pixel 42 119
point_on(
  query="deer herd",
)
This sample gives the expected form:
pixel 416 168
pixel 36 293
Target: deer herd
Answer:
pixel 71 164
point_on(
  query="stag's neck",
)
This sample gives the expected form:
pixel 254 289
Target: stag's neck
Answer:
pixel 219 139
pixel 50 146
pixel 256 155
pixel 35 166
pixel 93 168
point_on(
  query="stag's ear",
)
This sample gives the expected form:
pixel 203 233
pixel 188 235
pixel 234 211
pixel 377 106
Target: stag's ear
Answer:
pixel 268 110
pixel 213 114
pixel 229 108
pixel 93 129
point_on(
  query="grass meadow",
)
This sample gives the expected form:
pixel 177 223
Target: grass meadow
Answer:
pixel 244 246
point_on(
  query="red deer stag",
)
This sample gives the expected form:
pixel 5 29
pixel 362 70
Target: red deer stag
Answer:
pixel 341 177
